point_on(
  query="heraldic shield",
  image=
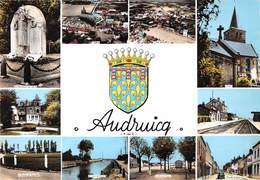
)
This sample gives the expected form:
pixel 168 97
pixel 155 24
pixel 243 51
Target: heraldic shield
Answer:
pixel 128 79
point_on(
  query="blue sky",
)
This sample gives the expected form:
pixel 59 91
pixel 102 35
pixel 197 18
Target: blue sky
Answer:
pixel 29 94
pixel 224 148
pixel 24 140
pixel 239 101
pixel 109 146
pixel 248 15
pixel 176 156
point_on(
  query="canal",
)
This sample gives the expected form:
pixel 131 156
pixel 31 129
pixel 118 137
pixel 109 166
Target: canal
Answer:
pixel 91 169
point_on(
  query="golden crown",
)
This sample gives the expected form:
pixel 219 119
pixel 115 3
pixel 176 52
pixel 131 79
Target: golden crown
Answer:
pixel 141 58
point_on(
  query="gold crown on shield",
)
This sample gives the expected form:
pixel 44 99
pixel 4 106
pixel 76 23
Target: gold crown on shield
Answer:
pixel 130 57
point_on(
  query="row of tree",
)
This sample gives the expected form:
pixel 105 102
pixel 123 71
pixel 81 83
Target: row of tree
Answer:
pixel 163 148
pixel 34 146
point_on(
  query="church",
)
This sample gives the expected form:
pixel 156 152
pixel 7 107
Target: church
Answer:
pixel 234 55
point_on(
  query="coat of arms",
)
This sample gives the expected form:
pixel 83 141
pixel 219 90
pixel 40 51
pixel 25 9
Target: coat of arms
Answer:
pixel 128 78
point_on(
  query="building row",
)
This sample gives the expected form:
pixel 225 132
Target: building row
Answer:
pixel 206 165
pixel 247 165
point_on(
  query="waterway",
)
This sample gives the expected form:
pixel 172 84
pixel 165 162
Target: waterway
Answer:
pixel 91 169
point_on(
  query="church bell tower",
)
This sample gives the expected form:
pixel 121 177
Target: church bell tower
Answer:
pixel 234 33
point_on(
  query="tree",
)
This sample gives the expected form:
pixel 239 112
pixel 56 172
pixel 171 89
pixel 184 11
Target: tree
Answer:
pixel 187 149
pixel 38 147
pixel 209 72
pixel 85 146
pixel 206 11
pixel 138 145
pixel 6 146
pixel 148 152
pixel 163 147
pixel 52 112
pixel 7 100
pixel 67 156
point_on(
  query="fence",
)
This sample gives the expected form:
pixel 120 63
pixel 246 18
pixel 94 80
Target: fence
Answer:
pixel 33 161
pixel 45 65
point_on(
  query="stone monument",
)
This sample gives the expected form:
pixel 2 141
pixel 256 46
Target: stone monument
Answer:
pixel 28 33
pixel 28 60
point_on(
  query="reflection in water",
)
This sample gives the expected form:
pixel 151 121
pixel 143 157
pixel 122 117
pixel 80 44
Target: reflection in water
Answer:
pixel 82 172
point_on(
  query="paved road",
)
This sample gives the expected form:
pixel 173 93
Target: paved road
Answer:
pixel 237 127
pixel 157 174
pixel 227 177
pixel 14 174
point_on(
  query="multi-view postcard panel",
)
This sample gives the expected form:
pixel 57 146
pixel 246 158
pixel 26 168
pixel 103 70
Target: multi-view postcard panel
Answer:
pixel 228 111
pixel 30 112
pixel 95 158
pixel 162 158
pixel 30 158
pixel 228 46
pixel 30 44
pixel 162 21
pixel 31 36
pixel 228 157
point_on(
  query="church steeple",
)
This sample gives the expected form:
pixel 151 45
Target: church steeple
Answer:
pixel 234 19
pixel 234 33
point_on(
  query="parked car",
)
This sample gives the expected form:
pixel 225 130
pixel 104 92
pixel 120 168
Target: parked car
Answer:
pixel 221 175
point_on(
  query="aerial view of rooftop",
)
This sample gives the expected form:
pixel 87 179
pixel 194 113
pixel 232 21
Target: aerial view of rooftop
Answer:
pixel 162 21
pixel 95 21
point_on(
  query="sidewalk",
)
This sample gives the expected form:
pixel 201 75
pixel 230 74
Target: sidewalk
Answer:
pixel 212 177
pixel 206 125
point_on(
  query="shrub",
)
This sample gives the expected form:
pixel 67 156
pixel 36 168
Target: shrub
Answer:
pixel 29 127
pixel 244 82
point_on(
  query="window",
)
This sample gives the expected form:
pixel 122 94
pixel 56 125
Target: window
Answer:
pixel 236 34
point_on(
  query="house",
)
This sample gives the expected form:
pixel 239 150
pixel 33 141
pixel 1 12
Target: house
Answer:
pixel 29 111
pixel 256 160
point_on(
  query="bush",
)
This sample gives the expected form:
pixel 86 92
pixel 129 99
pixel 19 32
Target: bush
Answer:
pixel 34 161
pixel 244 82
pixel 29 127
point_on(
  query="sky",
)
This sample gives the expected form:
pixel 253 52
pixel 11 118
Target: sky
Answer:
pixel 239 101
pixel 109 146
pixel 224 148
pixel 29 94
pixel 24 140
pixel 176 156
pixel 248 15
